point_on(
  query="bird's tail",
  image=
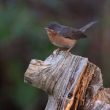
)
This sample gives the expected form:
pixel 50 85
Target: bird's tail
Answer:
pixel 84 28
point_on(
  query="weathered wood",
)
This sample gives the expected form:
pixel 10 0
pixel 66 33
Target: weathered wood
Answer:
pixel 71 81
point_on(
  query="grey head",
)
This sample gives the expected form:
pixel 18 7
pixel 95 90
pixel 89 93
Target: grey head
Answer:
pixel 54 26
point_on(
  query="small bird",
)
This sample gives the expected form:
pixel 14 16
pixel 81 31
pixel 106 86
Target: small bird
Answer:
pixel 65 36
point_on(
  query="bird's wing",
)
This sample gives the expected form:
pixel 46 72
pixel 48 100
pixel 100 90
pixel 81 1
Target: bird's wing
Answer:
pixel 72 33
pixel 78 35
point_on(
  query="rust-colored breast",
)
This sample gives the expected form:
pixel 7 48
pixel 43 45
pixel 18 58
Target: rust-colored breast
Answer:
pixel 61 41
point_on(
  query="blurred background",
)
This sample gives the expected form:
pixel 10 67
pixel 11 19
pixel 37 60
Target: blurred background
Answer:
pixel 22 38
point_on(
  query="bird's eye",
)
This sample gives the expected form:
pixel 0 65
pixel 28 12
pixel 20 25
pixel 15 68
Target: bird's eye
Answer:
pixel 51 26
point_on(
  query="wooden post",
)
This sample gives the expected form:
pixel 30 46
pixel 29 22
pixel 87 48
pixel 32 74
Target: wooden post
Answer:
pixel 72 82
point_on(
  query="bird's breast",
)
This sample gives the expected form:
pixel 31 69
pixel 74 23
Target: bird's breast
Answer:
pixel 61 41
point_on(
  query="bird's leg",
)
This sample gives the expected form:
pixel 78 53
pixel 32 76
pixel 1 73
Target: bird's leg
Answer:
pixel 68 51
pixel 71 46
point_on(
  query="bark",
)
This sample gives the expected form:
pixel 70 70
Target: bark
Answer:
pixel 71 81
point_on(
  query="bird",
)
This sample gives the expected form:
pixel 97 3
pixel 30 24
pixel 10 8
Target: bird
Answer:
pixel 64 36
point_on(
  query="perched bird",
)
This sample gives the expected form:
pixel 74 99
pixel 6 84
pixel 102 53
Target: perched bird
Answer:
pixel 65 36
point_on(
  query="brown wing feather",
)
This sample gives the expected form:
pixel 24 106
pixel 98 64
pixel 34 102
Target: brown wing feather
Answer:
pixel 78 35
pixel 72 33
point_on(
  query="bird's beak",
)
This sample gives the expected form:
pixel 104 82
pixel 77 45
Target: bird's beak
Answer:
pixel 49 30
pixel 46 29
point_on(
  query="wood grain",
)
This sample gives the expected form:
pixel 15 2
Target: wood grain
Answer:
pixel 71 81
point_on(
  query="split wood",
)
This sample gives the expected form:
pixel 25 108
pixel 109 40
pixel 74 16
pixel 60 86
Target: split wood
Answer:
pixel 71 82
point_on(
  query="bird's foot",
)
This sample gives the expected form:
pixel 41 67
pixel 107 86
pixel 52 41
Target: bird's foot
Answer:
pixel 68 51
pixel 57 51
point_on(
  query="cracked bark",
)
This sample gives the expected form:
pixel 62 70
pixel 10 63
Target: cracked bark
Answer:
pixel 72 82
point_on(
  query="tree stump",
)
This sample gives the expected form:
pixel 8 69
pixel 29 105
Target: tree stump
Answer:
pixel 71 82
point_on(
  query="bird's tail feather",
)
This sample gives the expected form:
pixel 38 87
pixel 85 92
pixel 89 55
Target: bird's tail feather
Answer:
pixel 84 28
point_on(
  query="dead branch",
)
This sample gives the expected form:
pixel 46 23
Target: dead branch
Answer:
pixel 72 82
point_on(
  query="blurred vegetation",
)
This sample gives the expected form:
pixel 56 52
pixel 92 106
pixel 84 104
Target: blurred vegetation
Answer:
pixel 22 38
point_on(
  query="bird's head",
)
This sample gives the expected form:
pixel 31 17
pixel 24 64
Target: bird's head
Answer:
pixel 54 26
